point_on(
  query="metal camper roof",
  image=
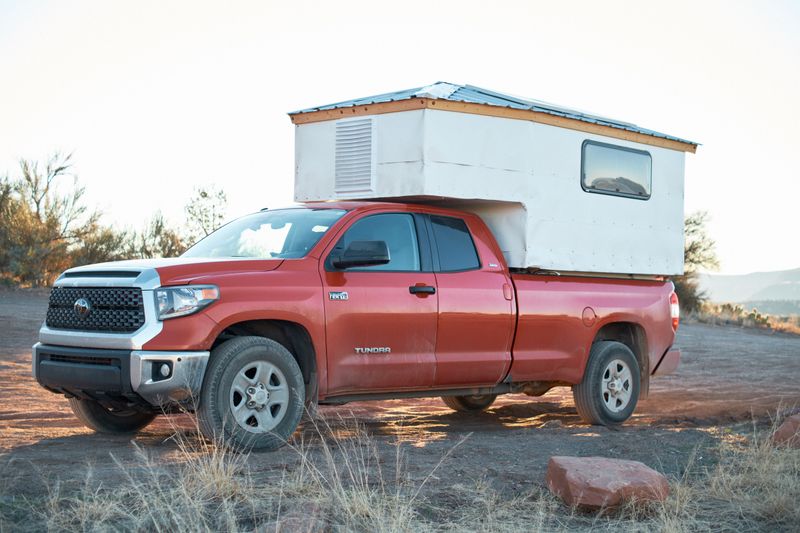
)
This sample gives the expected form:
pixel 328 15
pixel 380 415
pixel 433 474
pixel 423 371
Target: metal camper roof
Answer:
pixel 476 95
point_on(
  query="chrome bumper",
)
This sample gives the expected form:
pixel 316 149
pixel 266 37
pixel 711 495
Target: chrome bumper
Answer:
pixel 186 372
pixel 97 373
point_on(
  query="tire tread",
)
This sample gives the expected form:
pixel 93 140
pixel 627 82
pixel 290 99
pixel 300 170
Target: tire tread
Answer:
pixel 463 404
pixel 210 415
pixel 98 418
pixel 586 402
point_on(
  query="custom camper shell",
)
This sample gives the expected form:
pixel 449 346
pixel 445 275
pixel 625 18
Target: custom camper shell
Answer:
pixel 561 190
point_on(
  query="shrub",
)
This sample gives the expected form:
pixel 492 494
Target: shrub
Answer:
pixel 698 253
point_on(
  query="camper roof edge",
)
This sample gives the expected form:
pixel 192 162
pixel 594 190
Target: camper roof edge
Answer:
pixel 494 111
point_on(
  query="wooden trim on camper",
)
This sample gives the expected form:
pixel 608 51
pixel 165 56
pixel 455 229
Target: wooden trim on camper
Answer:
pixel 491 111
pixel 355 111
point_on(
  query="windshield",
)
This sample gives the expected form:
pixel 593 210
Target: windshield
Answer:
pixel 283 233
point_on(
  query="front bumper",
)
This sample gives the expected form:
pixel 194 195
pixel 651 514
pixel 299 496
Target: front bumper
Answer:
pixel 116 376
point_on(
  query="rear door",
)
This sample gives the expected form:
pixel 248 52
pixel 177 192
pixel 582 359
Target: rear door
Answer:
pixel 476 314
pixel 381 320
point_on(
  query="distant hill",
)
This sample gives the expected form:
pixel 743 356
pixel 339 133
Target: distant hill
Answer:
pixel 771 292
pixel 775 307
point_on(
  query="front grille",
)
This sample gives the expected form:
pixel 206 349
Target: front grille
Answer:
pixel 112 309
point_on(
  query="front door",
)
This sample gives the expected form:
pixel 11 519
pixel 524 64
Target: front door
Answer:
pixel 381 320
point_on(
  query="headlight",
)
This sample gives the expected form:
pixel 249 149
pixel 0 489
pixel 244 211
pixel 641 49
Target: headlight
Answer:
pixel 181 301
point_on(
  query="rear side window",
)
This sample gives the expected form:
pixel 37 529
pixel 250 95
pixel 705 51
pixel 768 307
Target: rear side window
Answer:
pixel 616 170
pixel 456 249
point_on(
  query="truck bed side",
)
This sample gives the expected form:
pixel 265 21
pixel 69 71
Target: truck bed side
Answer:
pixel 560 317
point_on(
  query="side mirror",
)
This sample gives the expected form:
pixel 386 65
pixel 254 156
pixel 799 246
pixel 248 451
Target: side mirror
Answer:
pixel 362 254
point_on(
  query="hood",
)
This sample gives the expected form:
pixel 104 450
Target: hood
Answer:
pixel 171 271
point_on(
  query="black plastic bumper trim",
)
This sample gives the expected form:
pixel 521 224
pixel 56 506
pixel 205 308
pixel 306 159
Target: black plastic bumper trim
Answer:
pixel 66 368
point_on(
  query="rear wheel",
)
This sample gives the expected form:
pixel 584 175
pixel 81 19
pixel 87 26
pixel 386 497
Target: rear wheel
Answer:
pixel 253 394
pixel 94 416
pixel 473 402
pixel 610 388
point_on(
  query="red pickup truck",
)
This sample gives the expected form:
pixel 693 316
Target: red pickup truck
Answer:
pixel 329 303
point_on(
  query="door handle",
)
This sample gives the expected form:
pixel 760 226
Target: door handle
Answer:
pixel 422 289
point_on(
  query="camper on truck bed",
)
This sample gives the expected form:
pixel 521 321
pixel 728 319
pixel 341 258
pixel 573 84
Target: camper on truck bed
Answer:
pixel 457 295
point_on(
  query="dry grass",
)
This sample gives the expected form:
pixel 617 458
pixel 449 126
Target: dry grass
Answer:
pixel 759 482
pixel 786 324
pixel 481 508
pixel 755 486
pixel 343 479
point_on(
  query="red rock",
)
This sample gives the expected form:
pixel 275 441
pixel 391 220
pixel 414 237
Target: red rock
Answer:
pixel 595 482
pixel 789 432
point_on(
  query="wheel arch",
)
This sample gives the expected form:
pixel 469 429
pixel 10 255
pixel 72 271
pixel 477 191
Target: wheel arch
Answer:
pixel 633 336
pixel 291 335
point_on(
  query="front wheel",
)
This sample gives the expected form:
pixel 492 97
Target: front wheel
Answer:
pixel 253 394
pixel 115 421
pixel 610 388
pixel 473 402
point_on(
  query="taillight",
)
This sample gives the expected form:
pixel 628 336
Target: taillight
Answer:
pixel 674 310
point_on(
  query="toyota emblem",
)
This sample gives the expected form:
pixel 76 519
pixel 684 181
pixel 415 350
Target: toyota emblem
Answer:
pixel 82 307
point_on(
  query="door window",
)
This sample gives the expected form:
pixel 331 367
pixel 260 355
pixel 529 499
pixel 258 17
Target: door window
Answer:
pixel 399 233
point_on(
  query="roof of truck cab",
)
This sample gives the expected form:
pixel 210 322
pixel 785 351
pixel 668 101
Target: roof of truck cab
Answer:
pixel 361 205
pixel 351 205
pixel 339 204
pixel 469 96
pixel 346 204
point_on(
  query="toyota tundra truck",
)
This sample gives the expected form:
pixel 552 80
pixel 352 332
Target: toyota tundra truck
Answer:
pixel 335 302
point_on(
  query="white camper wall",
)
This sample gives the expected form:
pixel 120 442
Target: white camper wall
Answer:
pixel 398 158
pixel 549 221
pixel 598 232
pixel 569 229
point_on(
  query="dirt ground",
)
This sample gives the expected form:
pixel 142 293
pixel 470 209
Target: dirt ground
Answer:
pixel 727 378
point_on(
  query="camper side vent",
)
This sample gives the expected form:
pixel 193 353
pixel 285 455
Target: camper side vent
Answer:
pixel 354 156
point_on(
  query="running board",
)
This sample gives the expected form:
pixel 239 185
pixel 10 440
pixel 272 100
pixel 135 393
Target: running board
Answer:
pixel 502 388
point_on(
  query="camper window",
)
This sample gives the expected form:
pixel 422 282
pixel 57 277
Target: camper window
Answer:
pixel 616 170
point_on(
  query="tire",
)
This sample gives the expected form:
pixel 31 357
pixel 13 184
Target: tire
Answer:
pixel 471 403
pixel 94 416
pixel 253 394
pixel 610 388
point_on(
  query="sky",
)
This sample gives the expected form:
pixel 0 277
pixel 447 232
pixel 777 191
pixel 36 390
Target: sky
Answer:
pixel 156 98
